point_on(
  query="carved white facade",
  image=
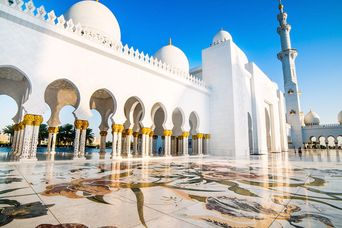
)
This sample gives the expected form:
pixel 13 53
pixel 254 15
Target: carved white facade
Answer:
pixel 50 62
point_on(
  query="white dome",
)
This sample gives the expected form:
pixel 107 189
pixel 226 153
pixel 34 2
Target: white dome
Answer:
pixel 95 17
pixel 174 57
pixel 311 118
pixel 221 36
pixel 339 117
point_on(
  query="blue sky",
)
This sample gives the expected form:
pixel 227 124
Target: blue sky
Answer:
pixel 316 33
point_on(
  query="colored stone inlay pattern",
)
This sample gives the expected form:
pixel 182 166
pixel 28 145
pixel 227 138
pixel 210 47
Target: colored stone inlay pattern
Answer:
pixel 274 191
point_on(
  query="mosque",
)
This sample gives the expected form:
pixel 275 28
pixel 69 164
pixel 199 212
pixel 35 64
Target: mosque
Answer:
pixel 226 107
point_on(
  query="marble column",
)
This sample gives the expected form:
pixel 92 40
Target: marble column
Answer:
pixel 103 135
pixel 51 147
pixel 145 141
pixel 154 148
pixel 78 126
pixel 200 144
pixel 135 143
pixel 173 145
pixel 14 138
pixel 115 129
pixel 20 139
pixel 129 133
pixel 206 140
pixel 30 136
pixel 185 144
pixel 167 143
pixel 194 145
pixel 150 144
pixel 119 148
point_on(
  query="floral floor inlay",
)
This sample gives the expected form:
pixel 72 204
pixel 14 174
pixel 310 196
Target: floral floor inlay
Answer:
pixel 278 190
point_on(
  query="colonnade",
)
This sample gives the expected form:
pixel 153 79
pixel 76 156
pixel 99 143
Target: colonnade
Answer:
pixel 25 138
pixel 125 142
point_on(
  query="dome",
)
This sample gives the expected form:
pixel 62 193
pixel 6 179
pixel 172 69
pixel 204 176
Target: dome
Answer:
pixel 339 117
pixel 174 57
pixel 95 17
pixel 311 118
pixel 221 36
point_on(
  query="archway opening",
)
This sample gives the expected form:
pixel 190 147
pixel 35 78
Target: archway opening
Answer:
pixel 103 105
pixel 177 130
pixel 331 142
pixel 339 142
pixel 322 142
pixel 158 115
pixel 15 89
pixel 63 98
pixel 134 111
pixel 194 124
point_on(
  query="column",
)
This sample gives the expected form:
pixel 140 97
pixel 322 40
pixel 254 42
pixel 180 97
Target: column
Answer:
pixel 173 146
pixel 14 138
pixel 145 141
pixel 154 148
pixel 150 144
pixel 185 143
pixel 115 129
pixel 35 133
pixel 206 144
pixel 129 133
pixel 103 135
pixel 200 144
pixel 167 142
pixel 194 145
pixel 179 145
pixel 54 140
pixel 20 139
pixel 119 148
pixel 48 148
pixel 83 138
pixel 78 125
pixel 135 143
pixel 31 125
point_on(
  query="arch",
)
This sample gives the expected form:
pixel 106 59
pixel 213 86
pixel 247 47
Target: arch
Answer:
pixel 178 121
pixel 58 94
pixel 322 142
pixel 134 110
pixel 15 84
pixel 339 141
pixel 194 122
pixel 156 115
pixel 250 132
pixel 104 102
pixel 268 130
pixel 331 141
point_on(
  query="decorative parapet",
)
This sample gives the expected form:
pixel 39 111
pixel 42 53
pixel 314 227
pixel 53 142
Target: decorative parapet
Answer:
pixel 335 126
pixel 126 52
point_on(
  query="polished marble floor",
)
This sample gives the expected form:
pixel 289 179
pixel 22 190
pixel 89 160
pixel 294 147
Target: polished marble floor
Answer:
pixel 279 190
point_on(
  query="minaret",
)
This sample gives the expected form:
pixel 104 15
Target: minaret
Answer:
pixel 287 57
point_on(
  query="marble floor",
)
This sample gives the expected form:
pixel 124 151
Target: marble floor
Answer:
pixel 279 190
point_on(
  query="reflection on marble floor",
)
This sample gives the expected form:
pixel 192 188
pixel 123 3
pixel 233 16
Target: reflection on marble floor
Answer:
pixel 280 190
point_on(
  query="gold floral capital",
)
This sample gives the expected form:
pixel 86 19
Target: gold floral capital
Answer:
pixel 129 132
pixel 37 120
pixel 207 136
pixel 200 136
pixel 53 130
pixel 103 133
pixel 185 134
pixel 167 133
pixel 78 124
pixel 28 120
pixel 145 131
pixel 136 134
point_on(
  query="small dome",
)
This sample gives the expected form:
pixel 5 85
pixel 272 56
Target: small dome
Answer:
pixel 95 17
pixel 174 57
pixel 221 36
pixel 311 118
pixel 339 117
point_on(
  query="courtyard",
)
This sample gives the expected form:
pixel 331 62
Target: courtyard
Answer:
pixel 276 190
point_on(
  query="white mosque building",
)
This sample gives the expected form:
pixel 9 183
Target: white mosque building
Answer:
pixel 227 106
